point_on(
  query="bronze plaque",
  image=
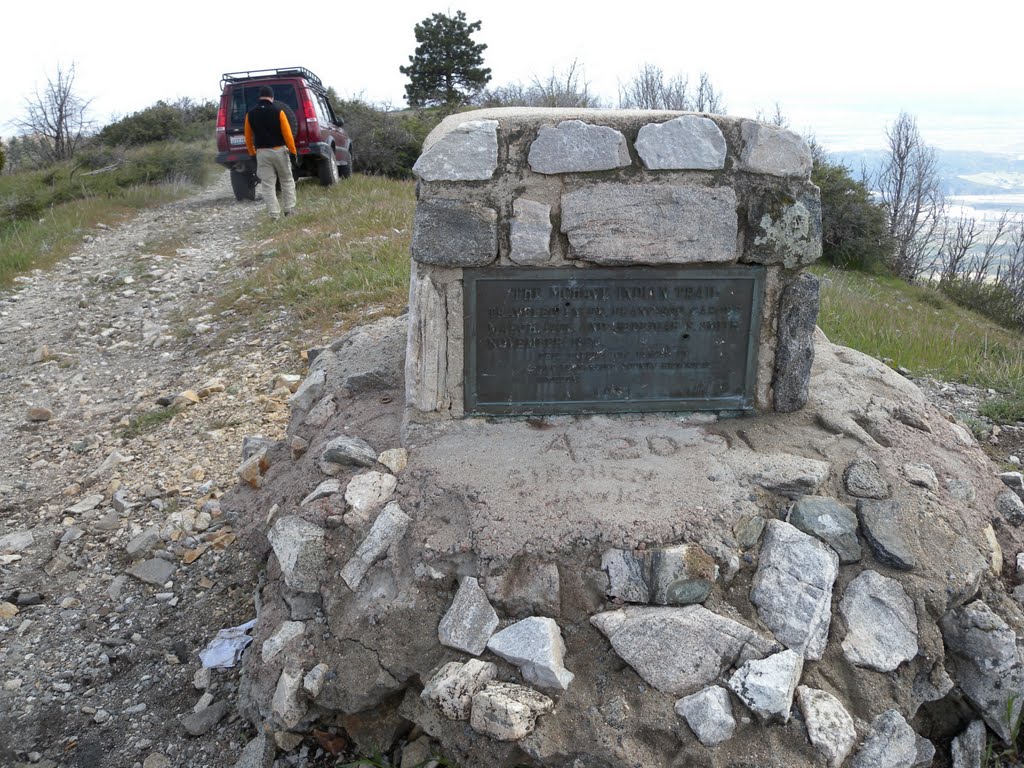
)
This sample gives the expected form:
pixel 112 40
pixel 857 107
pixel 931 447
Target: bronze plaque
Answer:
pixel 545 341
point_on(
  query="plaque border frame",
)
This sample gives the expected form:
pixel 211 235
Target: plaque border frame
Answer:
pixel 743 403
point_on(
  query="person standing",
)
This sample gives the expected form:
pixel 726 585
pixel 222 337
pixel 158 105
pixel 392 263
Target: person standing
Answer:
pixel 268 136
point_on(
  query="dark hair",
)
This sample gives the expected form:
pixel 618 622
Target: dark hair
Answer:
pixel 266 90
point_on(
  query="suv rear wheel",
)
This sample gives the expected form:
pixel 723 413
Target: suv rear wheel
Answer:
pixel 243 184
pixel 328 170
pixel 345 171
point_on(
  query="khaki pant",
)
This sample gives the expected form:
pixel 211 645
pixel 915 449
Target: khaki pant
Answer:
pixel 271 165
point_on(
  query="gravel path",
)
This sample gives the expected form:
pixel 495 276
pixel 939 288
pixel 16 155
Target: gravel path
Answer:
pixel 116 563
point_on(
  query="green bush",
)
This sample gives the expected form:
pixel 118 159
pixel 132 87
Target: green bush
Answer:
pixel 102 172
pixel 993 300
pixel 854 231
pixel 386 143
pixel 3 158
pixel 182 120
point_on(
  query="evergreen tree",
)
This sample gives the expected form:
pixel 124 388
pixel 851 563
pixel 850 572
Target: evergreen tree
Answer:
pixel 447 66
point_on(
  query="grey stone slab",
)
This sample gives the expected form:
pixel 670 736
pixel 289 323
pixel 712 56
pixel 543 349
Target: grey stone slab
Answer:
pixel 345 451
pixel 258 753
pixel 881 623
pixel 144 543
pixel 322 491
pixel 678 575
pixel 309 392
pixel 986 663
pixel 449 233
pixel 886 531
pixel 785 473
pixel 202 722
pixel 794 352
pixel 155 571
pixel 864 479
pixel 709 715
pixel 688 142
pixel 287 704
pixel 388 528
pixel 783 229
pixel 1010 507
pixel 772 150
pixel 922 475
pixel 968 749
pixel 891 743
pixel 679 650
pixel 507 712
pixel 300 550
pixel 453 687
pixel 470 621
pixel 767 686
pixel 18 541
pixel 530 232
pixel 574 146
pixel 534 645
pixel 792 588
pixel 925 753
pixel 651 224
pixel 469 152
pixel 829 726
pixel 832 522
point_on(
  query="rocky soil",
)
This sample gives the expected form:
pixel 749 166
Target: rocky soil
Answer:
pixel 124 408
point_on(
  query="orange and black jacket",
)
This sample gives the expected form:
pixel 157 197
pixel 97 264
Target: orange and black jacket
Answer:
pixel 266 127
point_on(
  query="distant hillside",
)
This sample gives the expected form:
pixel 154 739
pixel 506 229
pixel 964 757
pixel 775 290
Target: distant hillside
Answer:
pixel 963 173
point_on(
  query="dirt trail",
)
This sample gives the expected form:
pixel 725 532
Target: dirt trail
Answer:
pixel 96 665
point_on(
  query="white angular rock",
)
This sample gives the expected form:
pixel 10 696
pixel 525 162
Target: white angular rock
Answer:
pixel 891 743
pixel 678 650
pixel 313 682
pixel 507 712
pixel 453 687
pixel 773 150
pixel 792 588
pixel 530 232
pixel 299 546
pixel 881 623
pixel 968 749
pixel 468 152
pixel 534 645
pixel 688 142
pixel 286 704
pixel 767 685
pixel 829 725
pixel 369 491
pixel 470 621
pixel 395 459
pixel 388 528
pixel 574 147
pixel 709 715
pixel 288 631
pixel 87 504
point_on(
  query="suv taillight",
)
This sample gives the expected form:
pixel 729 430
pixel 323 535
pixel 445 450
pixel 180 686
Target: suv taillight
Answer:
pixel 222 123
pixel 309 115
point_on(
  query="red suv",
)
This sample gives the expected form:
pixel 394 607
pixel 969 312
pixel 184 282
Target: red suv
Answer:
pixel 324 148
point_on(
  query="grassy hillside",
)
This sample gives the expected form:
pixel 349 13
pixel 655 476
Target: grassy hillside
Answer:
pixel 919 329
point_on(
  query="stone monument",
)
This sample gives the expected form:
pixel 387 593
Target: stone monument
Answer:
pixel 575 261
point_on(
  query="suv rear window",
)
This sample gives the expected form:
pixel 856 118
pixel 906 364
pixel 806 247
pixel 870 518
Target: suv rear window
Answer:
pixel 244 98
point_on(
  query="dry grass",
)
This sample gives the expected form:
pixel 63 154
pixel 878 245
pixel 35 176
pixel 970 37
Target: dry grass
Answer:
pixel 344 257
pixel 918 328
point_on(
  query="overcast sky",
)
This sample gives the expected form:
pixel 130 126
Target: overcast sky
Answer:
pixel 841 71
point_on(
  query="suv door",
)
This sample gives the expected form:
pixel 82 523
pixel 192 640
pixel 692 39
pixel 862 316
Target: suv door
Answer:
pixel 331 128
pixel 244 98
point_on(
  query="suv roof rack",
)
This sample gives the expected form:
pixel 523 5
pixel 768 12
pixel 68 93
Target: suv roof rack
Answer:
pixel 266 74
